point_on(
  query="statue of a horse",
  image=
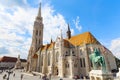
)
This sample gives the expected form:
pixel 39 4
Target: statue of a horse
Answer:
pixel 97 60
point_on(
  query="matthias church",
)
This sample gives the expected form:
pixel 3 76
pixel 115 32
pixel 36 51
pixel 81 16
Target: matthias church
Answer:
pixel 64 57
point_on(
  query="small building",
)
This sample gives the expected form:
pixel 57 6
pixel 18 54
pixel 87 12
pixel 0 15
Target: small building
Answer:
pixel 8 62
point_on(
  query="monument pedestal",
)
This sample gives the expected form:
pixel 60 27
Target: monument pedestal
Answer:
pixel 100 75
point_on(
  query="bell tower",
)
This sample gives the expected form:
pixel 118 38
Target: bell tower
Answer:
pixel 37 38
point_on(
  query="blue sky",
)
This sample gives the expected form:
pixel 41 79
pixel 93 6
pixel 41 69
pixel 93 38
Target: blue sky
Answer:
pixel 100 17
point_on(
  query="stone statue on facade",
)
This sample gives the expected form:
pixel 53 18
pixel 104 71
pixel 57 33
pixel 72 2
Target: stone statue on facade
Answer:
pixel 98 61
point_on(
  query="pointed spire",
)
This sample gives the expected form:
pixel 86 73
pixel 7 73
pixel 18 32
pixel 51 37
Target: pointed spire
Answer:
pixel 51 40
pixel 61 35
pixel 68 27
pixel 68 32
pixel 39 12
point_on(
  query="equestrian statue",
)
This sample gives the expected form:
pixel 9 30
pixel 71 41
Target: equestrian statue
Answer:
pixel 97 60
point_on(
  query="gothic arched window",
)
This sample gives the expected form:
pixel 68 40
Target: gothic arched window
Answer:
pixel 39 41
pixel 57 56
pixel 89 50
pixel 36 32
pixel 80 62
pixel 81 52
pixel 48 59
pixel 84 62
pixel 67 54
pixel 73 53
pixel 41 59
pixel 40 32
pixel 67 65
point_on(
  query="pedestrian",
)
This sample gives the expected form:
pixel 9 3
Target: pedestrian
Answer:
pixel 14 75
pixel 21 76
pixel 61 79
pixel 44 77
pixel 4 76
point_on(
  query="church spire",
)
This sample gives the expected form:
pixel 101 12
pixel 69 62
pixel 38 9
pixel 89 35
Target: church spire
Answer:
pixel 61 35
pixel 39 12
pixel 68 32
pixel 68 27
pixel 39 17
pixel 51 41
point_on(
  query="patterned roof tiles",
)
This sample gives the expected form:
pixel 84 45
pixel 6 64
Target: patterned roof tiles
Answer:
pixel 84 38
pixel 77 40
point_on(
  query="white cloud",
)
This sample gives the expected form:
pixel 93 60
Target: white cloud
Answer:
pixel 115 47
pixel 53 23
pixel 16 25
pixel 77 23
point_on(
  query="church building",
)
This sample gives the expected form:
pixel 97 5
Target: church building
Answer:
pixel 64 57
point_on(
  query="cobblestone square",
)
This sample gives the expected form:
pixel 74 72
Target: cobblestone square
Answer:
pixel 28 76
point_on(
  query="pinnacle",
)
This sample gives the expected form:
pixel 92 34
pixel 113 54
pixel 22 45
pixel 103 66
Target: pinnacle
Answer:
pixel 39 12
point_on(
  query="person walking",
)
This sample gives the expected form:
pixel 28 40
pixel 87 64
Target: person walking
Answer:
pixel 21 76
pixel 4 77
pixel 14 75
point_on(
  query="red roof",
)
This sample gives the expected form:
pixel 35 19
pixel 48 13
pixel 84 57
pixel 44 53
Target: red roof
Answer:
pixel 10 59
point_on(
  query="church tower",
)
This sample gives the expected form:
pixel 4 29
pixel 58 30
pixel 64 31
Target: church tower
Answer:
pixel 68 32
pixel 37 38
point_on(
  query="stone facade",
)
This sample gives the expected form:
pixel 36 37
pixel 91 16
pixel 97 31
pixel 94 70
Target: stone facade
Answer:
pixel 64 57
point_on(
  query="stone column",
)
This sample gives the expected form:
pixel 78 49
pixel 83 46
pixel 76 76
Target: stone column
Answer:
pixel 60 60
pixel 71 68
pixel 60 67
pixel 44 68
pixel 38 63
pixel 87 63
pixel 52 61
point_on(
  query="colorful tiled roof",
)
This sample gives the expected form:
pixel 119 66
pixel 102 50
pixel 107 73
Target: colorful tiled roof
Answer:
pixel 84 38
